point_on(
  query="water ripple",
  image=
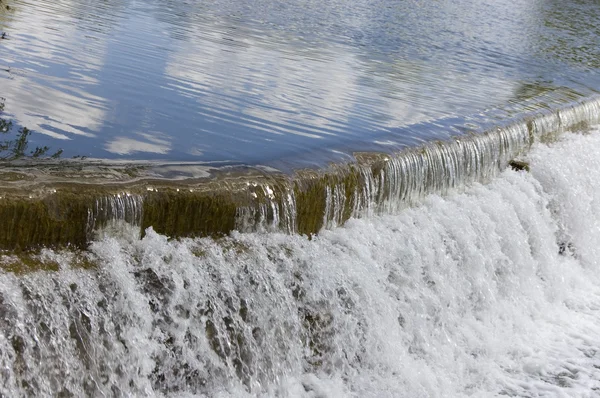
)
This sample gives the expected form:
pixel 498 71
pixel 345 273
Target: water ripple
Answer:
pixel 269 80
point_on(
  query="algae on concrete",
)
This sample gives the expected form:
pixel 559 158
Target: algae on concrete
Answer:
pixel 192 214
pixel 51 221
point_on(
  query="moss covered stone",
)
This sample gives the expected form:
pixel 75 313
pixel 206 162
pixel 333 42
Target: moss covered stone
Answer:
pixel 311 194
pixel 51 221
pixel 519 165
pixel 190 214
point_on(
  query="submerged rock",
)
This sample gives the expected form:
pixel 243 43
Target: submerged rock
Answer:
pixel 519 165
pixel 566 249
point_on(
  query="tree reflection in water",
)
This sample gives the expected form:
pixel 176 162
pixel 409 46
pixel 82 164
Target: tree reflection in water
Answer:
pixel 16 146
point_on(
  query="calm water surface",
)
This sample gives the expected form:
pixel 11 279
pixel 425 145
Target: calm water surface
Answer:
pixel 264 81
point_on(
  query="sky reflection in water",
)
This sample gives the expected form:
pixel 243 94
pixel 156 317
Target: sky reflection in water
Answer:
pixel 254 82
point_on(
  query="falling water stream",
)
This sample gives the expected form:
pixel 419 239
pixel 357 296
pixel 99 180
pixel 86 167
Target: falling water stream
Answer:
pixel 488 290
pixel 299 199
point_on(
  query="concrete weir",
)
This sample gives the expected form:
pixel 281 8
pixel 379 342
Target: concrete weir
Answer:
pixel 59 205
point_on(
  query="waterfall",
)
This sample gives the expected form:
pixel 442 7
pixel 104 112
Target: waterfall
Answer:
pixel 69 214
pixel 489 289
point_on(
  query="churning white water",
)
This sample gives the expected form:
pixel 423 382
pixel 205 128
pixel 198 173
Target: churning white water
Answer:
pixel 494 290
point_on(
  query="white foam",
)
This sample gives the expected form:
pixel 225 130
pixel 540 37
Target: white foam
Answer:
pixel 463 295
